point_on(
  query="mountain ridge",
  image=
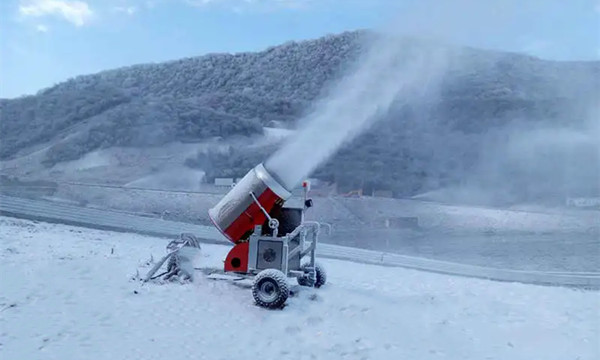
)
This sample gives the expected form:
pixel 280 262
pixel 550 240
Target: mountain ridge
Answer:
pixel 223 95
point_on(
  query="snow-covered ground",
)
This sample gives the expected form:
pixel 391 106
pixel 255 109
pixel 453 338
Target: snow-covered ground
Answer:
pixel 68 293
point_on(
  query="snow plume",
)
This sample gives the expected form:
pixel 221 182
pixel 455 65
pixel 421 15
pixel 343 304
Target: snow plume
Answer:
pixel 392 71
pixel 541 162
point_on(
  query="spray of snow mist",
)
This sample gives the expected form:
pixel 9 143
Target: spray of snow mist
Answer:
pixel 392 70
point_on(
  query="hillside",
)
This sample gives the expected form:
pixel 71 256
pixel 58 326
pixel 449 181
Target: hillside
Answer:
pixel 489 107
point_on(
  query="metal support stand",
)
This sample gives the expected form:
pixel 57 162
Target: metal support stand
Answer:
pixel 273 223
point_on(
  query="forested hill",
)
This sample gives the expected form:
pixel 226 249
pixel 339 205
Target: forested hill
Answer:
pixel 216 94
pixel 220 95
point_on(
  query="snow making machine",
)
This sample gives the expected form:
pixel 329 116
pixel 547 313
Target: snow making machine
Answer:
pixel 272 241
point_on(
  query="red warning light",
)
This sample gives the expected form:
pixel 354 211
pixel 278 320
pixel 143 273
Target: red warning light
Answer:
pixel 306 185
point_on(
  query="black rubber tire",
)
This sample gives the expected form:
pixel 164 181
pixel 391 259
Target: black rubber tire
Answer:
pixel 321 277
pixel 270 289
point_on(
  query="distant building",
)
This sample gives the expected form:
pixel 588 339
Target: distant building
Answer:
pixel 403 222
pixel 224 182
pixel 315 183
pixel 383 193
pixel 275 124
pixel 358 193
pixel 591 202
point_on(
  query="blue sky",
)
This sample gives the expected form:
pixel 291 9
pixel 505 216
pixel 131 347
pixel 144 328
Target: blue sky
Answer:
pixel 43 42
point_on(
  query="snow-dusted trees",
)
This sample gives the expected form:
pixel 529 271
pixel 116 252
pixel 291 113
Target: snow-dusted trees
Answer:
pixel 436 143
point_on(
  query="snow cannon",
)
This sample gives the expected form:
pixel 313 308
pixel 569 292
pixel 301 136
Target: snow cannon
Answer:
pixel 248 204
pixel 272 242
pixel 265 222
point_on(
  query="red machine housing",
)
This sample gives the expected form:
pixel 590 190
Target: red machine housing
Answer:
pixel 237 258
pixel 237 214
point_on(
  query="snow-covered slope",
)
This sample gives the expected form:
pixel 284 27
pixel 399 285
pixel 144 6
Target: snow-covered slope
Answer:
pixel 68 293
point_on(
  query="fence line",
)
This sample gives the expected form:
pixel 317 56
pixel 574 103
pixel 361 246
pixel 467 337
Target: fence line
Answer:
pixel 111 186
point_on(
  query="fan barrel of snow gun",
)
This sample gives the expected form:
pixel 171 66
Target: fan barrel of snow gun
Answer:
pixel 239 211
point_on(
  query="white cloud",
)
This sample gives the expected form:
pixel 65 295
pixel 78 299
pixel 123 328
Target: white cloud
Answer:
pixel 42 28
pixel 129 10
pixel 238 4
pixel 76 12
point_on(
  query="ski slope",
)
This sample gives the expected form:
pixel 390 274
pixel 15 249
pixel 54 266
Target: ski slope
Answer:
pixel 68 293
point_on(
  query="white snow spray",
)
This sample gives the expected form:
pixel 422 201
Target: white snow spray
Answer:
pixel 391 70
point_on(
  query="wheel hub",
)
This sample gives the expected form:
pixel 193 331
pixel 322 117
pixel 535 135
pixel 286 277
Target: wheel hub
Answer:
pixel 267 291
